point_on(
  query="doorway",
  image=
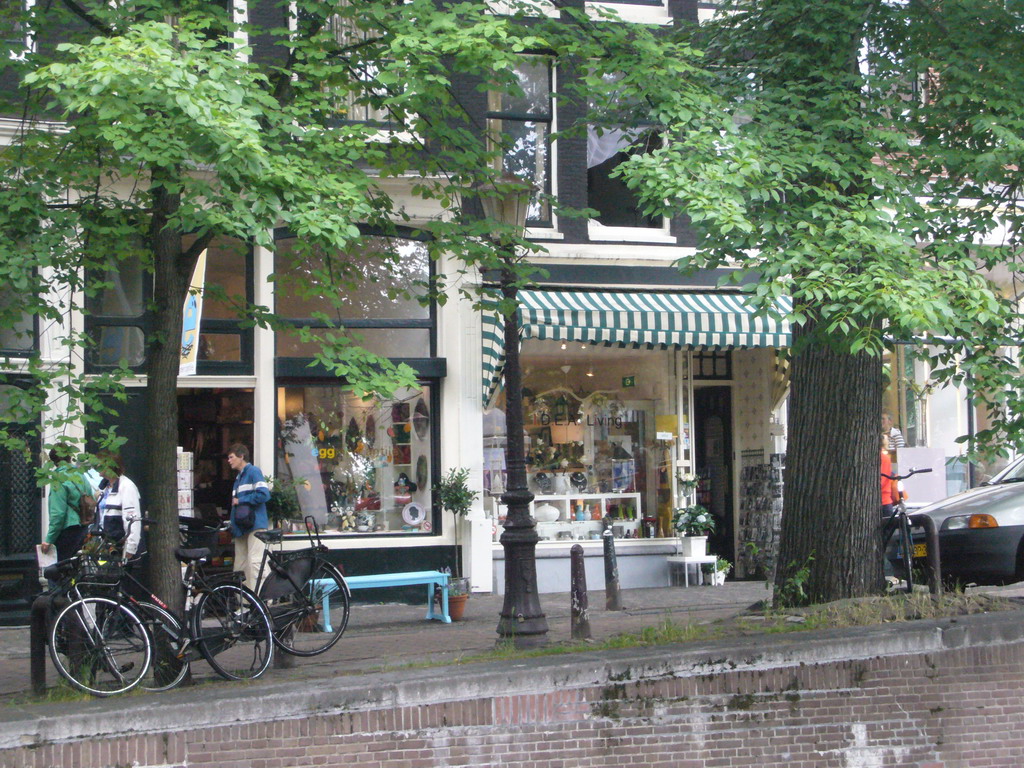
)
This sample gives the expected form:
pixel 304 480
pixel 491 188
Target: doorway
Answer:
pixel 713 459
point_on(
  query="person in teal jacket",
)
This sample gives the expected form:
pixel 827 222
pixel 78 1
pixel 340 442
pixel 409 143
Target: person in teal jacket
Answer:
pixel 251 489
pixel 65 530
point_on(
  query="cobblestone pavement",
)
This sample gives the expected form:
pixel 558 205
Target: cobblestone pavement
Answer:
pixel 392 635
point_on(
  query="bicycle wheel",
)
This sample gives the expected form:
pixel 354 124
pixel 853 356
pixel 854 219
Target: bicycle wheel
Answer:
pixel 906 550
pixel 100 646
pixel 170 665
pixel 301 625
pixel 232 630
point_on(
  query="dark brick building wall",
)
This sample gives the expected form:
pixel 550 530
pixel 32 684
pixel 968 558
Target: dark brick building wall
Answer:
pixel 946 709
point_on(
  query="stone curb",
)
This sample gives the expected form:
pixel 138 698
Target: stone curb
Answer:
pixel 239 703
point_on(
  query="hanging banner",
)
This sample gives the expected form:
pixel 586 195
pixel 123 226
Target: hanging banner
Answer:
pixel 190 322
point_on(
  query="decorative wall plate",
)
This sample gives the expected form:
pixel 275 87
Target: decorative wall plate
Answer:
pixel 414 514
pixel 421 471
pixel 352 435
pixel 371 431
pixel 421 419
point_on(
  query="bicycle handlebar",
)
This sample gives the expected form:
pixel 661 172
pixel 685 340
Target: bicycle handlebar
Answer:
pixel 913 471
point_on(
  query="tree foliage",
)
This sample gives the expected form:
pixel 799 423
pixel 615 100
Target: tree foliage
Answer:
pixel 156 127
pixel 865 162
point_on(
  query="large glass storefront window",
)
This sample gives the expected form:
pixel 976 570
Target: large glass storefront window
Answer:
pixel 358 466
pixel 592 418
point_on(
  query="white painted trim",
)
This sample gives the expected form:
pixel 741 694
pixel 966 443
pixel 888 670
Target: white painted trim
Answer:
pixel 634 14
pixel 600 232
pixel 264 348
pixel 634 254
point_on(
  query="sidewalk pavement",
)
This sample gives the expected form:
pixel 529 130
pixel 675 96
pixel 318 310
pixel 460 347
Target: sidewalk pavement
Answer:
pixel 386 637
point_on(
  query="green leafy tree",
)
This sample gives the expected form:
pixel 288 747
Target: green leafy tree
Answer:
pixel 155 129
pixel 828 178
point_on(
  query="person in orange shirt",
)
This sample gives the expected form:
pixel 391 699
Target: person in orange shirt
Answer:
pixel 890 493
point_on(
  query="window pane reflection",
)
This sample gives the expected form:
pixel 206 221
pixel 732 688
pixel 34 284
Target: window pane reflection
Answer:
pixel 358 466
pixel 120 343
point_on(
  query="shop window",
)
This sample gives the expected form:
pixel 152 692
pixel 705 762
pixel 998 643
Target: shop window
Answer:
pixel 224 345
pixel 117 316
pixel 521 123
pixel 116 313
pixel 357 466
pixel 18 331
pixel 591 419
pixel 374 292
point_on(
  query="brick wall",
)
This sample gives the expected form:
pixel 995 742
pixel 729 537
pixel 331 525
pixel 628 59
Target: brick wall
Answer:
pixel 935 709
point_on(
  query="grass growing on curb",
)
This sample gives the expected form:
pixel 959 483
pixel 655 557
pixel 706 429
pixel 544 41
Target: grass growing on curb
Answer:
pixel 857 612
pixel 867 611
pixel 665 632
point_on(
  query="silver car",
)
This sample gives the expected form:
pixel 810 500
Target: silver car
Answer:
pixel 981 530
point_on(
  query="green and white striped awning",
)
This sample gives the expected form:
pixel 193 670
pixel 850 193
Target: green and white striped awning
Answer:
pixel 633 320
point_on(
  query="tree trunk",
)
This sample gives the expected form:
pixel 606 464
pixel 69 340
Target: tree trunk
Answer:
pixel 171 276
pixel 832 497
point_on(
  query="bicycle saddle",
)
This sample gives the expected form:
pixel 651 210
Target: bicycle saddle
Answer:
pixel 272 536
pixel 191 555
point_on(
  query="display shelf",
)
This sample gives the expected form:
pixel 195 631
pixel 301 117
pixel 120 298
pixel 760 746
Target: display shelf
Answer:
pixel 584 530
pixel 623 508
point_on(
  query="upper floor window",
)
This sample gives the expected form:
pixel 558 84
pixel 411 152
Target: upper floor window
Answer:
pixel 521 124
pixel 616 204
pixel 376 288
pixel 363 97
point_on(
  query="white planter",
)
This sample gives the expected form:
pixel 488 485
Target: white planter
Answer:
pixel 693 546
pixel 717 578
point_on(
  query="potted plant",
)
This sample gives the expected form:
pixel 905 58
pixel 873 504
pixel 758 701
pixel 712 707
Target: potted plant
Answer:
pixel 454 495
pixel 688 482
pixel 693 523
pixel 717 571
pixel 284 501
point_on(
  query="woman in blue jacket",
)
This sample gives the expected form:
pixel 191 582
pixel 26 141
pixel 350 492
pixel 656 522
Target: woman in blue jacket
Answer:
pixel 252 493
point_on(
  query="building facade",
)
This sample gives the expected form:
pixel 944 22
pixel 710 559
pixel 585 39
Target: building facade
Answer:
pixel 646 389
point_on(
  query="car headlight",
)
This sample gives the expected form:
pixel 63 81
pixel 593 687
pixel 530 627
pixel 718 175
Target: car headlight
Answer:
pixel 955 523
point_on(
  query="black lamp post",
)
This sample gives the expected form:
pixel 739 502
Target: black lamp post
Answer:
pixel 521 619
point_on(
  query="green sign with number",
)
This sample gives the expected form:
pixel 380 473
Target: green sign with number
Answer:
pixel 628 381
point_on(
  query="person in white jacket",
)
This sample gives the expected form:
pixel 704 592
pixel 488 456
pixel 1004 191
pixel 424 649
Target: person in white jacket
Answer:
pixel 121 507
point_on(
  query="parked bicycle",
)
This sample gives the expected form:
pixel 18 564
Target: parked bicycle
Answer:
pixel 97 645
pixel 306 595
pixel 898 524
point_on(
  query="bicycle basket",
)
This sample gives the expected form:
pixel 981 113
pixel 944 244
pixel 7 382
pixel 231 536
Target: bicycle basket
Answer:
pixel 297 565
pixel 195 534
pixel 100 572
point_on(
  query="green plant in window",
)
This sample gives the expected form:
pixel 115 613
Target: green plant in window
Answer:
pixel 284 499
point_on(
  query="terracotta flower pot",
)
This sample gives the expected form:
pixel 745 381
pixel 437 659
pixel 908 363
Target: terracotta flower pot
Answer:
pixel 457 606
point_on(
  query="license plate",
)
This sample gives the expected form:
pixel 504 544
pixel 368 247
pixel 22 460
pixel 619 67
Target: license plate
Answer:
pixel 920 550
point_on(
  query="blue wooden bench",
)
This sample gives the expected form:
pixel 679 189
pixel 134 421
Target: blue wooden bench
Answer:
pixel 432 579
